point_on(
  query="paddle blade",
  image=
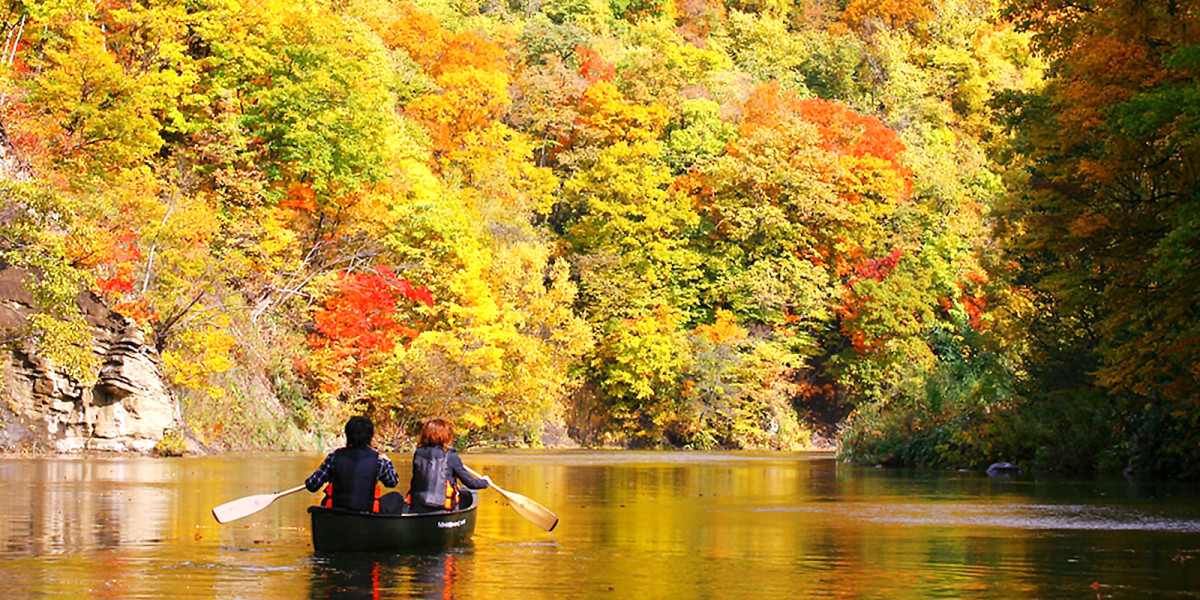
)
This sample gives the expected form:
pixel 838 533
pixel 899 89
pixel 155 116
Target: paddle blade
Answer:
pixel 236 509
pixel 536 513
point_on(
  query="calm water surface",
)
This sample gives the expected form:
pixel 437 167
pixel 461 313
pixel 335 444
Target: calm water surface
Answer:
pixel 633 525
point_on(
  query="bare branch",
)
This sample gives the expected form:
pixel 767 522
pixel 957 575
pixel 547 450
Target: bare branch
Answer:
pixel 154 244
pixel 12 55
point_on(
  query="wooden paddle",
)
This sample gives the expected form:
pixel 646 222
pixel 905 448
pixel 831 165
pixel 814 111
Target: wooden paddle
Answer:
pixel 236 509
pixel 536 513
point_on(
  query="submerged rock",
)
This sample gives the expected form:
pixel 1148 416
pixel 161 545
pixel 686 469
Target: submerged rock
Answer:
pixel 1003 469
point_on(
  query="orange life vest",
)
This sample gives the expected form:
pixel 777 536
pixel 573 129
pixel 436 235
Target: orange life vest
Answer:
pixel 327 501
pixel 451 497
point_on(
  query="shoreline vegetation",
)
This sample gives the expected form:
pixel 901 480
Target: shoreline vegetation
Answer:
pixel 937 234
pixel 91 454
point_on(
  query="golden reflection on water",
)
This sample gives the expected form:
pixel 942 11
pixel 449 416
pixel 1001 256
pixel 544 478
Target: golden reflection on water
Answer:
pixel 632 525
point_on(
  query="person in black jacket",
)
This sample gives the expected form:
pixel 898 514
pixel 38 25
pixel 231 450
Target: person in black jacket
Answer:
pixel 352 472
pixel 435 468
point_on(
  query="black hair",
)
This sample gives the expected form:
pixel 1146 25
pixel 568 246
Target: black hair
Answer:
pixel 359 431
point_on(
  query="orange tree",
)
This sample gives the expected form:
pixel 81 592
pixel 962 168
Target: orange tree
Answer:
pixel 361 321
pixel 810 197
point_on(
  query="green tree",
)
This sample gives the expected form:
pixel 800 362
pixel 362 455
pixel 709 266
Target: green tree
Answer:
pixel 1104 225
pixel 629 236
pixel 36 224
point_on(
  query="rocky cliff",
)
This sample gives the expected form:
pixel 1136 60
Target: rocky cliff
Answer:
pixel 128 409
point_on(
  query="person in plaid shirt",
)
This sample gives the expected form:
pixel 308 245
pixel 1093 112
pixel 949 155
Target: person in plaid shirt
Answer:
pixel 352 473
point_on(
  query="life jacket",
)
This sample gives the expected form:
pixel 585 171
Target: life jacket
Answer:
pixel 432 482
pixel 328 500
pixel 353 483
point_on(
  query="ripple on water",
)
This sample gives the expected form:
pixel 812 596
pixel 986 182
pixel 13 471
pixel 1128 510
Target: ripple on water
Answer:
pixel 226 567
pixel 1014 516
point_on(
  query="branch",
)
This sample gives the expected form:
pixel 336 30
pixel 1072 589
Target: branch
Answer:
pixel 160 333
pixel 154 244
pixel 12 55
pixel 300 279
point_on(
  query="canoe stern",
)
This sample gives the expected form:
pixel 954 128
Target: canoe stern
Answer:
pixel 337 530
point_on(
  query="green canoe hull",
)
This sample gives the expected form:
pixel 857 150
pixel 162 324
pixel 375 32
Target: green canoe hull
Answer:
pixel 337 530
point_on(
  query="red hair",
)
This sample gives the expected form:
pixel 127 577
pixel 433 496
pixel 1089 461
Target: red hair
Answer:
pixel 437 433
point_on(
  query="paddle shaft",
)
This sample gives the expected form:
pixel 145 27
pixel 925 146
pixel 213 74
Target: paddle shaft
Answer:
pixel 242 507
pixel 476 475
pixel 290 491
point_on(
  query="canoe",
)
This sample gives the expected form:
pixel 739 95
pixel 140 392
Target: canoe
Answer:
pixel 341 530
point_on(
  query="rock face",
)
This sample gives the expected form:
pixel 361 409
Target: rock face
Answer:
pixel 11 166
pixel 128 409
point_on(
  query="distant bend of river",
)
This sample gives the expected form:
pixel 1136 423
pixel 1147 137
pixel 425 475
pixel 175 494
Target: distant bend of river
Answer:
pixel 632 525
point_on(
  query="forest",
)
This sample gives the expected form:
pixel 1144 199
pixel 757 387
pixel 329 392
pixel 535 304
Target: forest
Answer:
pixel 934 234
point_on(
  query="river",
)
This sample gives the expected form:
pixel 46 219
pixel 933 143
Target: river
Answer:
pixel 633 525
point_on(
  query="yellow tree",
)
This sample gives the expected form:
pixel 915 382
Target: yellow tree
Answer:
pixel 502 337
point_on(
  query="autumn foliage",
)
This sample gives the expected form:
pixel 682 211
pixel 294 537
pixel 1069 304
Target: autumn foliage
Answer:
pixel 362 316
pixel 945 232
pixel 1106 215
pixel 864 14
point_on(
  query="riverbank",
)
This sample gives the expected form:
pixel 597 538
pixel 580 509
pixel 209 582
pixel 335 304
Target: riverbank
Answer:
pixel 480 449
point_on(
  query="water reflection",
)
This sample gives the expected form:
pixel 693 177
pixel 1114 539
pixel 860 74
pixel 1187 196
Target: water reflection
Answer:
pixel 1014 516
pixel 370 576
pixel 633 524
pixel 76 503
